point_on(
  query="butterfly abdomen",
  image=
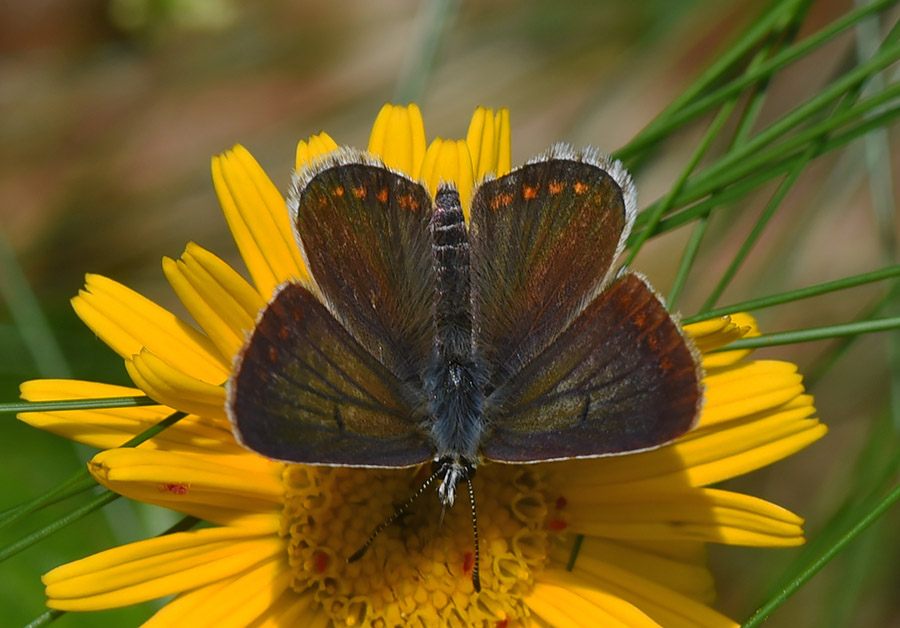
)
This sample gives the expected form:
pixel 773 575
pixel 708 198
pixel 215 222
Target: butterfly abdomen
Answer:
pixel 455 380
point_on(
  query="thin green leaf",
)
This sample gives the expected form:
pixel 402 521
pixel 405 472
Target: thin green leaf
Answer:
pixel 76 404
pixel 815 333
pixel 45 618
pixel 767 609
pixel 22 544
pixel 656 131
pixel 81 480
pixel 795 295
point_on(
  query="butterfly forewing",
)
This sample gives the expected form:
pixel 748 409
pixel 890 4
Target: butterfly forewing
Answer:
pixel 620 378
pixel 543 239
pixel 305 390
pixel 364 233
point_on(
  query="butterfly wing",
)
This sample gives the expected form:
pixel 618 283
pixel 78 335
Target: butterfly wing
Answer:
pixel 621 378
pixel 364 231
pixel 304 390
pixel 543 239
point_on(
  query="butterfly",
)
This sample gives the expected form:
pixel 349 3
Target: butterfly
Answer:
pixel 423 337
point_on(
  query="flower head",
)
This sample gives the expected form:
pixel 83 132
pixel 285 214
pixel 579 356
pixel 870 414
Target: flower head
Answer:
pixel 609 541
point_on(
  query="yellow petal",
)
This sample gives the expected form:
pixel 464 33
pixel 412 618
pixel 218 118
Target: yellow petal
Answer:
pixel 178 478
pixel 748 388
pixel 317 146
pixel 258 218
pixel 223 304
pixel 129 322
pixel 110 428
pixel 448 161
pixel 709 515
pixel 488 141
pixel 166 384
pixel 563 599
pixel 663 605
pixel 707 456
pixel 294 609
pixel 398 137
pixel 688 576
pixel 161 566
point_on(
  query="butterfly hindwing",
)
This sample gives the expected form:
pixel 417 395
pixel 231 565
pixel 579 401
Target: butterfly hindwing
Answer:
pixel 304 390
pixel 543 240
pixel 620 378
pixel 364 233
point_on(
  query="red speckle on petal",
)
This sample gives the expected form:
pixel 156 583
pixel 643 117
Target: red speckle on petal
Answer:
pixel 176 488
pixel 468 563
pixel 561 502
pixel 503 623
pixel 320 562
pixel 557 524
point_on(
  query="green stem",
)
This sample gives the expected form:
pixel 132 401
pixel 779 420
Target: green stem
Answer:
pixel 796 295
pixel 657 130
pixel 769 607
pixel 76 404
pixel 815 333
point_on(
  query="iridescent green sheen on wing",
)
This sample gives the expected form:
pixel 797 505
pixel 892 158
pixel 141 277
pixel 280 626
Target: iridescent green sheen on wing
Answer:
pixel 305 390
pixel 620 378
pixel 543 239
pixel 364 232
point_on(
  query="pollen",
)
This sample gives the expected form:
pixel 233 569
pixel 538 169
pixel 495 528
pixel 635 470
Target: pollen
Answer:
pixel 418 571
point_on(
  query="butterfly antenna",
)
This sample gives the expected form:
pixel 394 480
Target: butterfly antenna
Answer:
pixel 476 578
pixel 397 514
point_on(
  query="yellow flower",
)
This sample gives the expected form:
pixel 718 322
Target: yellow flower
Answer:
pixel 615 541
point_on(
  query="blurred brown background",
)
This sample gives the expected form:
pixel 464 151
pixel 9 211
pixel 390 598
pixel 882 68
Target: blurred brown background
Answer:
pixel 110 111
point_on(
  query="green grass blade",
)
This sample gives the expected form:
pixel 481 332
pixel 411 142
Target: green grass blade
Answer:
pixel 769 607
pixel 815 333
pixel 796 295
pixel 79 513
pixel 81 480
pixel 102 403
pixel 655 132
pixel 45 618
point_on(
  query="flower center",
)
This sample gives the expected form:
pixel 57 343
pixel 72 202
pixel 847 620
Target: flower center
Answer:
pixel 418 571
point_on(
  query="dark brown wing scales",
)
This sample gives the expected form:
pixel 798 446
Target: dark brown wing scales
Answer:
pixel 364 232
pixel 620 378
pixel 305 390
pixel 543 239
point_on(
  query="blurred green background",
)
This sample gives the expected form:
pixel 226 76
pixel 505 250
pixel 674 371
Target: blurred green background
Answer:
pixel 110 111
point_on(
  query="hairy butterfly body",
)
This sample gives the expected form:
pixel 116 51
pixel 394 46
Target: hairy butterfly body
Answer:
pixel 510 339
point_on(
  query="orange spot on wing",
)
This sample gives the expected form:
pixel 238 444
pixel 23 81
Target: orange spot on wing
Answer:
pixel 530 192
pixel 273 354
pixel 666 364
pixel 284 333
pixel 556 186
pixel 339 190
pixel 406 201
pixel 580 187
pixel 501 200
pixel 382 195
pixel 360 192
